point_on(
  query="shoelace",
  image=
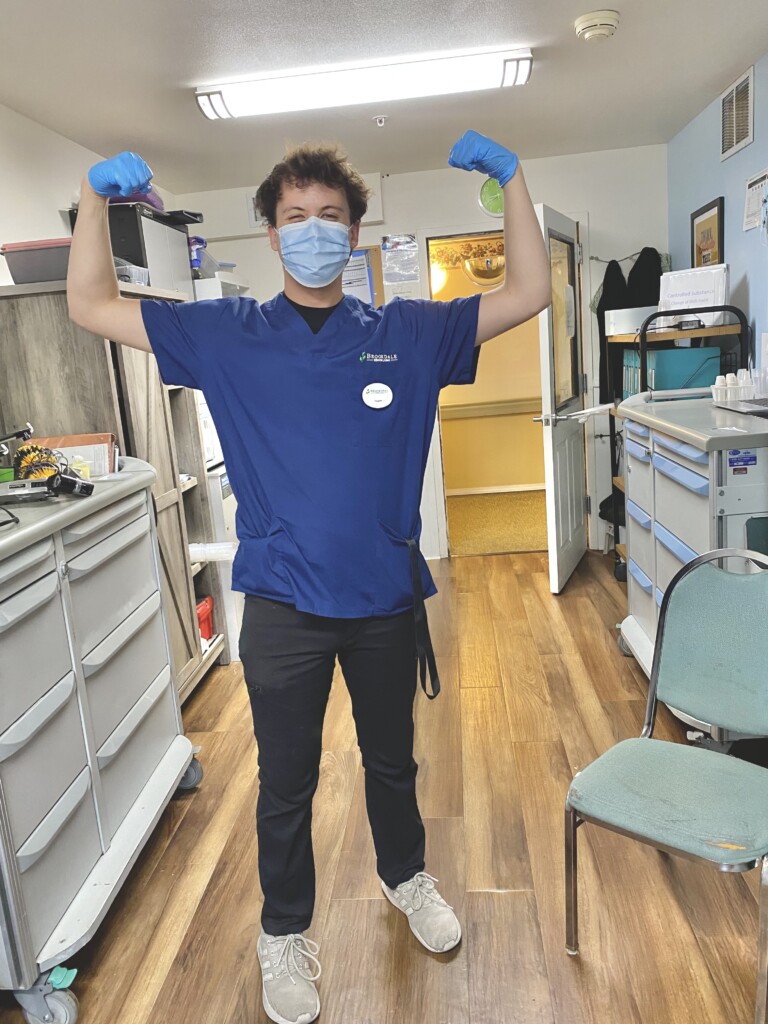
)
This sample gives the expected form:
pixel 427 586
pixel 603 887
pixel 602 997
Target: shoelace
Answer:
pixel 421 891
pixel 294 955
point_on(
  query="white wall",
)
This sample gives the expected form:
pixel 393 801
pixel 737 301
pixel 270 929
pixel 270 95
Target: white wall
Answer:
pixel 40 175
pixel 619 196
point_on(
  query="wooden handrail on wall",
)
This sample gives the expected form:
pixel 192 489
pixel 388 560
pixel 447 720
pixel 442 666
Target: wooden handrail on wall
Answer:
pixel 514 407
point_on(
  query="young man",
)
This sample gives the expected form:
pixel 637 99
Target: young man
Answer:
pixel 325 408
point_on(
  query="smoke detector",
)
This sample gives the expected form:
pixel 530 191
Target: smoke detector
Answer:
pixel 597 26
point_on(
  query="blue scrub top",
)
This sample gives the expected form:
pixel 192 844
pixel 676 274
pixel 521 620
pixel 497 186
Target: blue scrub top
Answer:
pixel 328 489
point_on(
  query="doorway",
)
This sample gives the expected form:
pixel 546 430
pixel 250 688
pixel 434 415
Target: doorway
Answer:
pixel 493 454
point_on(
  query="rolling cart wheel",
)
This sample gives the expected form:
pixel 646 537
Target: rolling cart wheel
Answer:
pixel 623 646
pixel 63 1006
pixel 192 777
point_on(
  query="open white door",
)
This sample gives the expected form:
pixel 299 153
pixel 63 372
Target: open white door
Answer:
pixel 562 401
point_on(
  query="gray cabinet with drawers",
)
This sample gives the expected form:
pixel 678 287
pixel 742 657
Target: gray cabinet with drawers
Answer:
pixel 91 737
pixel 696 478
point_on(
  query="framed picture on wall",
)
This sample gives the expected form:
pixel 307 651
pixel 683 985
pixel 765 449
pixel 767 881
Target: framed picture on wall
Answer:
pixel 707 234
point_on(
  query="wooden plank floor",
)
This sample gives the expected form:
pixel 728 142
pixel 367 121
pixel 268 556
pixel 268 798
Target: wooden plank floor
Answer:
pixel 534 687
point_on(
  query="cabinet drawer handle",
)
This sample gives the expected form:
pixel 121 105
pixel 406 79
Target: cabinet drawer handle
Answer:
pixel 112 746
pixel 17 564
pixel 102 552
pixel 640 577
pixel 52 824
pixel 640 517
pixel 686 477
pixel 637 451
pixel 38 716
pixel 673 544
pixel 27 601
pixel 119 637
pixel 659 597
pixel 78 531
pixel 686 450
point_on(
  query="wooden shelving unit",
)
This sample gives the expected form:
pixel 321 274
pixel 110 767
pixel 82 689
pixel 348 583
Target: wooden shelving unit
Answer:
pixel 206 578
pixel 654 337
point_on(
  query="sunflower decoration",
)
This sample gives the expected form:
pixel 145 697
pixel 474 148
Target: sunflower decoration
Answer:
pixel 33 462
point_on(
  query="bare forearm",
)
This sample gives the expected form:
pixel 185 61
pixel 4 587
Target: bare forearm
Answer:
pixel 525 256
pixel 91 281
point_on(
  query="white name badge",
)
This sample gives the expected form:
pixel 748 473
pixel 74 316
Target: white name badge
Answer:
pixel 377 396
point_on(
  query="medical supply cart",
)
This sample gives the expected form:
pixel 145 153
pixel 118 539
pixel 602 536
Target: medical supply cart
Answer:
pixel 682 368
pixel 91 736
pixel 696 478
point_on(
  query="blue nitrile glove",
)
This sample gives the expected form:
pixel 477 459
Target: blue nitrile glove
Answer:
pixel 476 152
pixel 122 175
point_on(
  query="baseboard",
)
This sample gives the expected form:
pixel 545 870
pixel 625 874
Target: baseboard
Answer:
pixel 459 492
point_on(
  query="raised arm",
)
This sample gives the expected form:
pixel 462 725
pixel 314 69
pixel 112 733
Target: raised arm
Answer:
pixel 93 295
pixel 527 288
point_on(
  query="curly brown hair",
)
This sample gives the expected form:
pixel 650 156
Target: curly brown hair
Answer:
pixel 306 164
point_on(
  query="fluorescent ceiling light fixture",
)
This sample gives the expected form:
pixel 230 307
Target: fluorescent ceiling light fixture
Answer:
pixel 344 85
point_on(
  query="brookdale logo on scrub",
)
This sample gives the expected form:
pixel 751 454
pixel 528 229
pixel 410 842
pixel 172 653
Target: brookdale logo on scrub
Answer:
pixel 378 357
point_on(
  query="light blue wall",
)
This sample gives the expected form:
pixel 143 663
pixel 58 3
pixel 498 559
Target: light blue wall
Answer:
pixel 696 175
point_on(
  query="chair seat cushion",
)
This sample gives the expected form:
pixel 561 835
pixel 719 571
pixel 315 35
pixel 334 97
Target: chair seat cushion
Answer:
pixel 693 800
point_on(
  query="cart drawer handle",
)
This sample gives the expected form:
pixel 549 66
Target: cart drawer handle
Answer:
pixel 686 450
pixel 637 451
pixel 659 597
pixel 639 575
pixel 17 564
pixel 52 824
pixel 639 515
pixel 637 428
pixel 28 601
pixel 119 637
pixel 133 719
pixel 38 716
pixel 673 544
pixel 690 480
pixel 85 527
pixel 96 556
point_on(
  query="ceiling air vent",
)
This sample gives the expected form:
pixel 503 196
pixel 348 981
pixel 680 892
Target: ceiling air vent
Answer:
pixel 736 105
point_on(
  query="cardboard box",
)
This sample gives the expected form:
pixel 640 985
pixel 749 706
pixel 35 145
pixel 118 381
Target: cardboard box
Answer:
pixel 98 451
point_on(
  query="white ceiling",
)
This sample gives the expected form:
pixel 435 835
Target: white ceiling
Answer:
pixel 115 76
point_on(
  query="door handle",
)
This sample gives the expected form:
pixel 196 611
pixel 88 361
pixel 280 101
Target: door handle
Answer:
pixel 581 415
pixel 549 420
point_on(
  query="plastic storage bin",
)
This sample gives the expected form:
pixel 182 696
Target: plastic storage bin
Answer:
pixel 44 260
pixel 205 618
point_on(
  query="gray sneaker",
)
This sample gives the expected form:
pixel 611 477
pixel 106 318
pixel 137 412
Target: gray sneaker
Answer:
pixel 289 970
pixel 432 921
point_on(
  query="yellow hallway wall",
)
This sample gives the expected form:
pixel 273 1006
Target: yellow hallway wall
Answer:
pixel 492 451
pixel 489 450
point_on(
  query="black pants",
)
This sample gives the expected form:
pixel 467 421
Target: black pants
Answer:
pixel 288 661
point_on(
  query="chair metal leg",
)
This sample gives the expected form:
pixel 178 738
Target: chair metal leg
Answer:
pixel 571 883
pixel 761 1003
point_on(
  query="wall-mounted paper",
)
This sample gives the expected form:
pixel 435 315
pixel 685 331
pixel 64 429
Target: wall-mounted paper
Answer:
pixel 400 259
pixel 753 200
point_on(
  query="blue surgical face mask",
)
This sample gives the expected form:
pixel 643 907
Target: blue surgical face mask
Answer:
pixel 314 251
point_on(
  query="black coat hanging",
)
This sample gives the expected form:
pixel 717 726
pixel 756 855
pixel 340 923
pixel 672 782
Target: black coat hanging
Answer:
pixel 615 296
pixel 644 279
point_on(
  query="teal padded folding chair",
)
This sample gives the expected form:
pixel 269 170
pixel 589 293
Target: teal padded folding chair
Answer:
pixel 711 663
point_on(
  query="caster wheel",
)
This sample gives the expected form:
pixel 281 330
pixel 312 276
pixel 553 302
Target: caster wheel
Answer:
pixel 63 1006
pixel 623 646
pixel 192 777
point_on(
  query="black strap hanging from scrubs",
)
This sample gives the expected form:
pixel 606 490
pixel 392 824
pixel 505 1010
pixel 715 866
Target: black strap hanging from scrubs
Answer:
pixel 424 651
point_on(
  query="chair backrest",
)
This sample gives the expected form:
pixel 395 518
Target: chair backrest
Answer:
pixel 711 657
